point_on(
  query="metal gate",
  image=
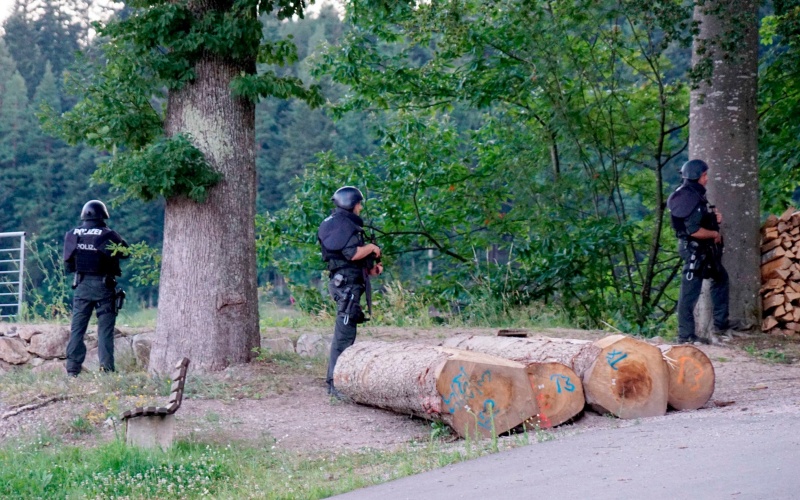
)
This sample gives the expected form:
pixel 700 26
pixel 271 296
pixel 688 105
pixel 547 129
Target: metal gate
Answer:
pixel 12 274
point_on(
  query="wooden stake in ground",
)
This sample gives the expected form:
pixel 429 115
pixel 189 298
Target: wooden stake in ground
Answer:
pixel 691 376
pixel 474 393
pixel 621 375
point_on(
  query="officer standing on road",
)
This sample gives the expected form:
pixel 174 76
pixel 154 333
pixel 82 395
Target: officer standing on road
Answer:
pixel 87 253
pixel 351 262
pixel 697 225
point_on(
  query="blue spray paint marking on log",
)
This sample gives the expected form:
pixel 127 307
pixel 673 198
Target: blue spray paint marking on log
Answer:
pixel 568 386
pixel 615 357
pixel 463 390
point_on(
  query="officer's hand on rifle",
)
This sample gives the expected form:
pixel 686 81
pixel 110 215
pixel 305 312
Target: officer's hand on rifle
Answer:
pixel 376 270
pixel 719 217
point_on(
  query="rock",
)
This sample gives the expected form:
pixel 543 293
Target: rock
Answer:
pixel 36 362
pixel 51 344
pixel 5 367
pixel 142 344
pixel 277 345
pixel 26 332
pixel 12 350
pixel 52 365
pixel 313 345
pixel 123 355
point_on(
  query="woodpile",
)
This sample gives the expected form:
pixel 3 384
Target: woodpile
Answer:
pixel 780 273
pixel 474 393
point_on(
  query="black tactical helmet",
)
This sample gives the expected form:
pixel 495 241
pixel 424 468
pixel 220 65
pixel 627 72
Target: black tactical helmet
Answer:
pixel 347 197
pixel 693 169
pixel 94 209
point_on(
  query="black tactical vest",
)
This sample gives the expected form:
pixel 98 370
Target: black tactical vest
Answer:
pixel 690 196
pixel 85 251
pixel 334 234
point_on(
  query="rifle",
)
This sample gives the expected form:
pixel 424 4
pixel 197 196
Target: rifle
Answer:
pixel 716 249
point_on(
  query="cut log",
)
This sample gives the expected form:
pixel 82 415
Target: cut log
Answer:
pixel 773 254
pixel 787 214
pixel 773 301
pixel 620 375
pixel 768 270
pixel 771 221
pixel 768 323
pixel 779 311
pixel 770 234
pixel 691 376
pixel 766 247
pixel 473 393
pixel 558 392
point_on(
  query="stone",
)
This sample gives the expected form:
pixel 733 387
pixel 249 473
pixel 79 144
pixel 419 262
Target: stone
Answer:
pixel 142 343
pixel 277 345
pixel 123 355
pixel 51 344
pixel 51 365
pixel 36 362
pixel 312 345
pixel 12 350
pixel 150 432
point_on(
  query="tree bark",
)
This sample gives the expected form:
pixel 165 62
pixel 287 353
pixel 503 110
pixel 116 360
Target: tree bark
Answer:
pixel 474 393
pixel 723 131
pixel 620 375
pixel 691 376
pixel 208 304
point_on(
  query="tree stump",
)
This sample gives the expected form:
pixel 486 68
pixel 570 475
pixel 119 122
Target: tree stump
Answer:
pixel 691 376
pixel 474 393
pixel 621 375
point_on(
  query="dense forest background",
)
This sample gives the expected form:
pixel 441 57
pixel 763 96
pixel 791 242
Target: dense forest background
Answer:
pixel 531 177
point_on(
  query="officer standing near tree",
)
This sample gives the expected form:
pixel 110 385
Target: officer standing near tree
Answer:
pixel 87 253
pixel 700 244
pixel 351 262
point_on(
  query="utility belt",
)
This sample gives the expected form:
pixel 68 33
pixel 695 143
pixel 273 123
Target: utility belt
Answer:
pixel 346 292
pixel 701 260
pixel 118 299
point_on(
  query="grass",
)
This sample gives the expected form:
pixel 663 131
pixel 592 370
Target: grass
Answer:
pixel 46 468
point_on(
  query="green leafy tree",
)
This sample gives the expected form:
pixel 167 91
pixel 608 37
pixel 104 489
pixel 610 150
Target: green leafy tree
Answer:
pixel 586 121
pixel 172 100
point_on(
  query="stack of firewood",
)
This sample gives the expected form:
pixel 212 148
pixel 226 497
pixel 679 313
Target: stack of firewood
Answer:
pixel 780 273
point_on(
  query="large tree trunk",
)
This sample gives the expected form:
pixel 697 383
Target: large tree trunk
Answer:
pixel 620 375
pixel 723 132
pixel 208 301
pixel 473 393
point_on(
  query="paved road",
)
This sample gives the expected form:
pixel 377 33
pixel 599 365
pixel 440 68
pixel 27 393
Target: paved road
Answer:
pixel 717 456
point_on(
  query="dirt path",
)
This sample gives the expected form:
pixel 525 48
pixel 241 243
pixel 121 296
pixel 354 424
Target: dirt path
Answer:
pixel 299 416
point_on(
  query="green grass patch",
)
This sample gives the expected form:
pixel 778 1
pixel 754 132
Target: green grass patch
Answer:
pixel 47 469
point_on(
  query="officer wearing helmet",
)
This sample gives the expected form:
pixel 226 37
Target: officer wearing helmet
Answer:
pixel 87 253
pixel 697 226
pixel 350 262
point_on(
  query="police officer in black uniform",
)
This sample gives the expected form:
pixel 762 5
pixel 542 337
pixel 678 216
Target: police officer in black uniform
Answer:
pixel 351 262
pixel 696 224
pixel 87 254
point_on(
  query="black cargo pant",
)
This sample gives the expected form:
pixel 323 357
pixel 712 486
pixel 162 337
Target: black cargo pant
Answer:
pixel 346 290
pixel 92 294
pixel 690 293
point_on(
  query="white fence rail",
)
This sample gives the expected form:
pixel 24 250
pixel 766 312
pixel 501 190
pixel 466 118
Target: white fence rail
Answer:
pixel 12 274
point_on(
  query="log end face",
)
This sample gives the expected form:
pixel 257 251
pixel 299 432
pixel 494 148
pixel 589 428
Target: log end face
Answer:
pixel 484 398
pixel 628 379
pixel 691 377
pixel 558 393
